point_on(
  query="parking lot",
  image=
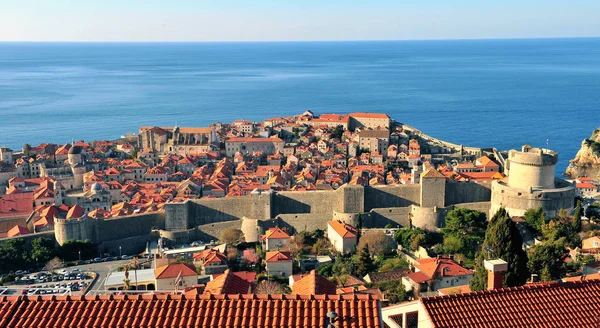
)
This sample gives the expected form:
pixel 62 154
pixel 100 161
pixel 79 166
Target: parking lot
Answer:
pixel 65 281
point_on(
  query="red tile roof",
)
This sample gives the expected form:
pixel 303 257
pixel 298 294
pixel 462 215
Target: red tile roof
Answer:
pixel 174 270
pixel 441 267
pixel 369 115
pixel 228 283
pixel 418 277
pixel 75 212
pixel 343 229
pixel 313 284
pixel 210 256
pixel 194 311
pixel 278 256
pixel 585 185
pixel 276 233
pixel 17 231
pixel 570 304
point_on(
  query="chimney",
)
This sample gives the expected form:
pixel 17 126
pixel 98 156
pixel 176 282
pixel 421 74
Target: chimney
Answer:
pixel 496 269
pixel 534 277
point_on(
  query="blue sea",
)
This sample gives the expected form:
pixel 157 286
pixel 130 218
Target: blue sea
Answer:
pixel 488 93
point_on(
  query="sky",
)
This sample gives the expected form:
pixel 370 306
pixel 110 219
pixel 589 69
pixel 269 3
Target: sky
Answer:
pixel 300 20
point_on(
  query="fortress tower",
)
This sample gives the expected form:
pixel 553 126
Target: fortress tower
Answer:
pixel 531 183
pixel 531 167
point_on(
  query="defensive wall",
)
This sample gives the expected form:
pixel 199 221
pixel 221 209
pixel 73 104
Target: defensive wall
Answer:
pixel 130 232
pixel 205 219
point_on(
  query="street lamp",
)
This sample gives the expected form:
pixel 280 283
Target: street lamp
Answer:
pixel 79 252
pixel 120 253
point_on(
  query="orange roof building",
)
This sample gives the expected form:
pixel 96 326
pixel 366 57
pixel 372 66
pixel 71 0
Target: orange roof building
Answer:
pixel 174 276
pixel 275 238
pixel 342 236
pixel 279 264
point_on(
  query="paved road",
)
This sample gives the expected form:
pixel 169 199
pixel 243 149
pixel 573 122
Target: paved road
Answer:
pixel 101 269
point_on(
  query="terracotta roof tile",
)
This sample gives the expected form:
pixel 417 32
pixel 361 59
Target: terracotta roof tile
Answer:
pixel 440 267
pixel 313 284
pixel 570 304
pixel 174 270
pixel 343 229
pixel 278 256
pixel 228 283
pixel 276 233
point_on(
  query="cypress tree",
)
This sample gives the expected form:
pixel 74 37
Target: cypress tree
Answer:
pixel 503 241
pixel 365 262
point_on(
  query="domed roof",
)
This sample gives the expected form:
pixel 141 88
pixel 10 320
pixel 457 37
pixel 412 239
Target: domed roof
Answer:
pixel 96 187
pixel 75 150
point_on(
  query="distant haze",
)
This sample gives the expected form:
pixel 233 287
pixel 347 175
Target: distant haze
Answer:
pixel 286 20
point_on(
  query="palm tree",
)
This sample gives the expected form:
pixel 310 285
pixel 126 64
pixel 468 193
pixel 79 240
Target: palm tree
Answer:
pixel 135 263
pixel 126 281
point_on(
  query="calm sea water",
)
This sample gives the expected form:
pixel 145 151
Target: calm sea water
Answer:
pixel 501 93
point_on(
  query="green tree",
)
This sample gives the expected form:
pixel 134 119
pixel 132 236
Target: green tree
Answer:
pixel 365 262
pixel 12 256
pixel 343 266
pixel 394 291
pixel 561 227
pixel 548 260
pixel 453 244
pixel 502 240
pixel 464 231
pixel 577 217
pixel 71 250
pixel 535 219
pixel 42 249
pixel 464 221
pixel 394 263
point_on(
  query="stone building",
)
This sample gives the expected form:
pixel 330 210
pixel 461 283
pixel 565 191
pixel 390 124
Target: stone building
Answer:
pixel 342 236
pixel 376 141
pixel 6 155
pixel 369 120
pixel 532 183
pixel 176 140
pixel 267 146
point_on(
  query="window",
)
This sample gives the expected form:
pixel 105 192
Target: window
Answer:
pixel 412 319
pixel 595 244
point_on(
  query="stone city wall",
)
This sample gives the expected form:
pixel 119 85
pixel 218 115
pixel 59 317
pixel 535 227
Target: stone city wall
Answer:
pixel 467 192
pixel 517 201
pixel 391 196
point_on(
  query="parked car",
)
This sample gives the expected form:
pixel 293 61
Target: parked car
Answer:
pixel 98 259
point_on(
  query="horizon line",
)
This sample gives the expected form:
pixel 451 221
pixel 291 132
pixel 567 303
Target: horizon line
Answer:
pixel 313 41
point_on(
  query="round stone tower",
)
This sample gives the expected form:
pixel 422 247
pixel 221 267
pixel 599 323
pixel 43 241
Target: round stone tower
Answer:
pixel 531 184
pixel 78 172
pixel 531 167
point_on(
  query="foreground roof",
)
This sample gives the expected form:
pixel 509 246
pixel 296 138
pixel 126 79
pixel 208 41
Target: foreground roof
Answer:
pixel 189 311
pixel 570 304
